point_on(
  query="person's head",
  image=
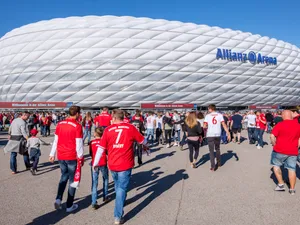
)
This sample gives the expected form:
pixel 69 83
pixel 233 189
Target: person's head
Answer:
pixel 287 115
pixel 295 112
pixel 137 113
pixel 191 120
pixel 74 111
pixel 88 115
pixel 150 113
pixel 258 113
pixel 200 116
pixel 212 108
pixel 251 112
pixel 279 113
pixel 34 132
pixel 175 112
pixel 105 109
pixel 236 112
pixel 25 115
pixel 167 114
pixel 117 116
pixel 98 132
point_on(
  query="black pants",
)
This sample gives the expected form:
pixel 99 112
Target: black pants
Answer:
pixel 251 135
pixel 194 148
pixel 48 130
pixel 214 144
pixel 168 138
pixel 158 134
pixel 138 152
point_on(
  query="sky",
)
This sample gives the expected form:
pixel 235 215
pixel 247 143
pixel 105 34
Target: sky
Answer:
pixel 278 19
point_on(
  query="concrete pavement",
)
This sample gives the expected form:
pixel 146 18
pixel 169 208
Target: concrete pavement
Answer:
pixel 164 191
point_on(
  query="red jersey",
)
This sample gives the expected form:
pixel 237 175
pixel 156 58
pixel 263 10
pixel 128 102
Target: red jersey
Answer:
pixel 44 121
pixel 126 120
pixel 67 131
pixel 93 148
pixel 262 125
pixel 118 141
pixel 141 118
pixel 88 124
pixel 104 119
pixel 49 120
pixel 287 135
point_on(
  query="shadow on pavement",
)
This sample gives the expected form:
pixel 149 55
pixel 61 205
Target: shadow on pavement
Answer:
pixel 285 175
pixel 153 191
pixel 203 160
pixel 228 155
pixel 159 157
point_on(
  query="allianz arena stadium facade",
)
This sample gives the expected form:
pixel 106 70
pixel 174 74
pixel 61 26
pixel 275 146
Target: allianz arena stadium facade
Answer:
pixel 125 61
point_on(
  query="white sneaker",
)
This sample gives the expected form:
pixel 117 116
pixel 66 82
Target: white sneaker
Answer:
pixel 258 147
pixel 72 208
pixel 175 144
pixel 57 204
pixel 168 146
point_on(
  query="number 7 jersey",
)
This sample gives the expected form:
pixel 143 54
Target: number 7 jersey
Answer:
pixel 214 122
pixel 118 141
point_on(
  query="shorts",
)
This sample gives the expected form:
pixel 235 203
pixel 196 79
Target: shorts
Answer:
pixel 236 130
pixel 289 161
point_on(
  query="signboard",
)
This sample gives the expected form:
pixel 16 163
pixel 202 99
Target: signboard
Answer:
pixel 263 107
pixel 166 106
pixel 33 105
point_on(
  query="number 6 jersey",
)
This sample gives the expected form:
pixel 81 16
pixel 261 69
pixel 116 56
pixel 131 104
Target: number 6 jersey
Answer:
pixel 118 140
pixel 213 121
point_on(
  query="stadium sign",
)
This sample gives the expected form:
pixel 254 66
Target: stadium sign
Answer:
pixel 252 57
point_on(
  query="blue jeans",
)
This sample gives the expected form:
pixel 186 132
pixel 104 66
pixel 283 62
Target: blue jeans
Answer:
pixel 177 136
pixel 269 127
pixel 67 168
pixel 13 161
pixel 87 134
pixel 43 130
pixel 183 140
pixel 289 161
pixel 150 132
pixel 95 177
pixel 223 137
pixel 121 180
pixel 251 134
pixel 260 137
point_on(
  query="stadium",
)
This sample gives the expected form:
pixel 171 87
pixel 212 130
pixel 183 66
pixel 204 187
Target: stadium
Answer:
pixel 96 61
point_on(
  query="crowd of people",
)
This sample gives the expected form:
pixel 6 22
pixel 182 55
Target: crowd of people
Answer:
pixel 120 136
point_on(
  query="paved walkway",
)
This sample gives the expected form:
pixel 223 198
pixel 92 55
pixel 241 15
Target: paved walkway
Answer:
pixel 164 191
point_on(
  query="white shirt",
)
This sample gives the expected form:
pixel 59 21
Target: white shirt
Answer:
pixel 159 122
pixel 251 120
pixel 176 118
pixel 213 121
pixel 150 122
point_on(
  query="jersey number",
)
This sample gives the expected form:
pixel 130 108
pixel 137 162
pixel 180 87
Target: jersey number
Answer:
pixel 119 135
pixel 214 121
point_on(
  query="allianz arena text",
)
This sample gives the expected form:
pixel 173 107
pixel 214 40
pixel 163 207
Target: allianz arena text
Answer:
pixel 114 61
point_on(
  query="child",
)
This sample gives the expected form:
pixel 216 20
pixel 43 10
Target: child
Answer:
pixel 33 145
pixel 102 166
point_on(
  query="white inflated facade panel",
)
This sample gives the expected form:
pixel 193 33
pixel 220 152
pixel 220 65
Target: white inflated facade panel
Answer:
pixel 124 61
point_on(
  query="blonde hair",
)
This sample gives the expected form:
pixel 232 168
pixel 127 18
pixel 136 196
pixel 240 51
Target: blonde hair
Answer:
pixel 191 120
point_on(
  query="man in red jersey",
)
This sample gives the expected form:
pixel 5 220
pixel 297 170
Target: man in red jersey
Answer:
pixel 104 119
pixel 261 127
pixel 69 147
pixel 285 138
pixel 118 141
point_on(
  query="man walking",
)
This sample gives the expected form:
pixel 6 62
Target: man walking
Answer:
pixel 285 138
pixel 104 119
pixel 69 147
pixel 251 121
pixel 213 122
pixel 236 126
pixel 19 133
pixel 118 141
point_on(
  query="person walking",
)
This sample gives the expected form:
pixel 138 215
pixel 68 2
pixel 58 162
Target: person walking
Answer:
pixel 213 122
pixel 104 119
pixel 278 118
pixel 193 133
pixel 236 126
pixel 223 132
pixel 285 138
pixel 117 141
pixel 177 128
pixel 167 127
pixel 261 126
pixel 150 124
pixel 251 121
pixel 87 123
pixel 270 120
pixel 19 133
pixel 69 147
pixel 159 132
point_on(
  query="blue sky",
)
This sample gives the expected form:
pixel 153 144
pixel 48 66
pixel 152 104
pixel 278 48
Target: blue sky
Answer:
pixel 274 18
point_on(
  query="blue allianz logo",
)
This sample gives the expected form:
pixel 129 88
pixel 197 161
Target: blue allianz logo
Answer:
pixel 252 57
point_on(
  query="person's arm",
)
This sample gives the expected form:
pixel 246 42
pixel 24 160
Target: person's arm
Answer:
pixel 79 142
pixel 154 123
pixel 23 131
pixel 53 149
pixel 231 124
pixel 299 143
pixel 273 139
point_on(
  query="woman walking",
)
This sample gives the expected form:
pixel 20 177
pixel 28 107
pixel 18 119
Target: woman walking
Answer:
pixel 167 127
pixel 87 125
pixel 193 133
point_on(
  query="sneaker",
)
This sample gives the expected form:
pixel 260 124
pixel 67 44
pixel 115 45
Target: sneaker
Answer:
pixel 181 147
pixel 96 206
pixel 292 191
pixel 168 146
pixel 57 204
pixel 258 147
pixel 13 172
pixel 106 199
pixel 33 172
pixel 119 221
pixel 72 208
pixel 280 187
pixel 175 144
